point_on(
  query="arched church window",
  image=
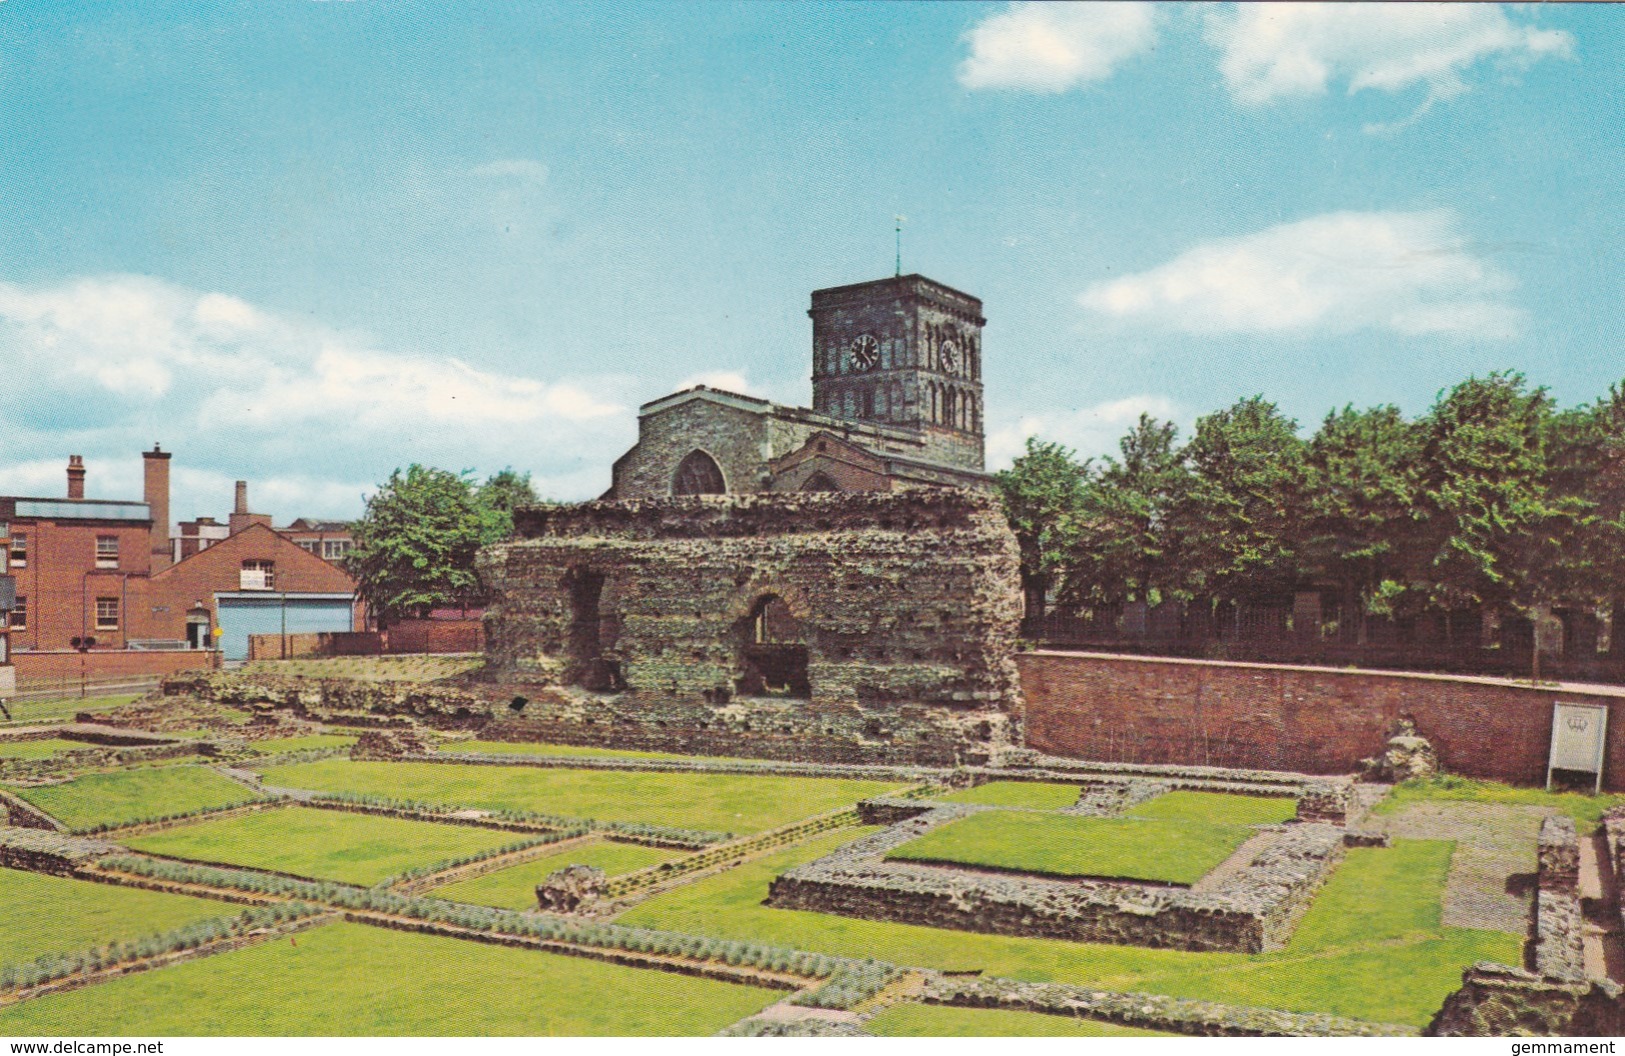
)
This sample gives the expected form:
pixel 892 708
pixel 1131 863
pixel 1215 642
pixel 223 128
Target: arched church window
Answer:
pixel 949 414
pixel 699 474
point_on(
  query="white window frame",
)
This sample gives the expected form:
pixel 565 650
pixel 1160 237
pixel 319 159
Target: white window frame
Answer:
pixel 18 546
pixel 107 555
pixel 107 623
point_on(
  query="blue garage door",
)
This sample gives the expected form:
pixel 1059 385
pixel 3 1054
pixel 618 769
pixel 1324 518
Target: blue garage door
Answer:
pixel 266 612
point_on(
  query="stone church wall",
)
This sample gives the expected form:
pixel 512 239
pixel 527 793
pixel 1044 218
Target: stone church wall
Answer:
pixel 908 604
pixel 732 436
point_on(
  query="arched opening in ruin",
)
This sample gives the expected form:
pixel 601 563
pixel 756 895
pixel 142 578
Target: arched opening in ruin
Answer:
pixel 584 643
pixel 820 481
pixel 698 474
pixel 772 652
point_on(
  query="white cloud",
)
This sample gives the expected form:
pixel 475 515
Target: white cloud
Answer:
pixel 1089 431
pixel 1052 47
pixel 1285 50
pixel 104 366
pixel 1410 273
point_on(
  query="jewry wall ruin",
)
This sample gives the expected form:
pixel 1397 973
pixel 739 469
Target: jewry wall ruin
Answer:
pixel 838 627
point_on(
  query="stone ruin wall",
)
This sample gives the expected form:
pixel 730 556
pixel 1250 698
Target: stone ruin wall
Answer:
pixel 908 605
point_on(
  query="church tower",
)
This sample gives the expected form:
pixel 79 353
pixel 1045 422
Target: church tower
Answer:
pixel 904 352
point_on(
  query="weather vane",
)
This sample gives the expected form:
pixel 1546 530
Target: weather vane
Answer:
pixel 900 219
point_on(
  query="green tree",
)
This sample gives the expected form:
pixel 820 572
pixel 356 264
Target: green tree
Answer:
pixel 415 544
pixel 1043 492
pixel 1362 479
pixel 1495 529
pixel 1240 519
pixel 1127 549
pixel 501 493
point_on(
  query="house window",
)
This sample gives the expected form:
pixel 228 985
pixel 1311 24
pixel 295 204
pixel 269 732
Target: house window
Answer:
pixel 19 615
pixel 107 614
pixel 107 551
pixel 19 549
pixel 333 549
pixel 308 545
pixel 257 575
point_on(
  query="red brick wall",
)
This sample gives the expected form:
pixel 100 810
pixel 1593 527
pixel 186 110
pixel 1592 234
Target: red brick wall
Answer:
pixel 1318 720
pixel 436 636
pixel 96 665
pixel 61 581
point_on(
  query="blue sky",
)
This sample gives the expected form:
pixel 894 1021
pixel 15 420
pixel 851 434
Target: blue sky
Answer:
pixel 303 243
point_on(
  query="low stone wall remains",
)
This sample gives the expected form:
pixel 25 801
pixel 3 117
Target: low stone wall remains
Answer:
pixel 1557 951
pixel 1551 997
pixel 1149 1011
pixel 50 852
pixel 1252 910
pixel 24 815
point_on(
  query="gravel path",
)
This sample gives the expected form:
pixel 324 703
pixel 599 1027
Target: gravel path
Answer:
pixel 1495 851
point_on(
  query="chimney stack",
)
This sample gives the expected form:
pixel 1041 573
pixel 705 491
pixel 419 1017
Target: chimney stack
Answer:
pixel 76 476
pixel 155 476
pixel 240 517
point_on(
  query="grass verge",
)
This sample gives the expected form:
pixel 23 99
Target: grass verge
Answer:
pixel 326 844
pixel 515 887
pixel 1371 946
pixel 736 803
pixel 1585 810
pixel 120 797
pixel 46 914
pixel 1174 852
pixel 1032 795
pixel 352 980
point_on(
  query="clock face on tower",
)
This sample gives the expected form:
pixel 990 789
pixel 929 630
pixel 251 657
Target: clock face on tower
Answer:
pixel 865 352
pixel 948 354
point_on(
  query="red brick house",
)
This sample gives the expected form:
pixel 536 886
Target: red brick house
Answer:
pixel 253 582
pixel 105 570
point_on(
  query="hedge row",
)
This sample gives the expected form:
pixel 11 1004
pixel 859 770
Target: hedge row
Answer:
pixel 850 985
pixel 497 921
pixel 431 869
pixel 128 823
pixel 54 966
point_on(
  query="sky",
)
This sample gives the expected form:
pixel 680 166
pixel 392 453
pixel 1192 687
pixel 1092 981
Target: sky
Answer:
pixel 303 243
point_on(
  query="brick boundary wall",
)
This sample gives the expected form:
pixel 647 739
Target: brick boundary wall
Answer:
pixel 1317 720
pixel 100 665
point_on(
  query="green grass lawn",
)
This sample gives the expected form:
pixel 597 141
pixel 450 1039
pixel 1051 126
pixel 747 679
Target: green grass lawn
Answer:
pixel 353 980
pixel 515 887
pixel 1585 810
pixel 1371 947
pixel 325 844
pixel 941 1021
pixel 53 914
pixel 1174 852
pixel 29 712
pixel 1217 808
pixel 124 796
pixel 1033 795
pixel 308 742
pixel 40 749
pixel 711 802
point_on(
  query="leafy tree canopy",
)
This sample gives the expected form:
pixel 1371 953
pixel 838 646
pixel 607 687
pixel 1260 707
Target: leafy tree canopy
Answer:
pixel 416 542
